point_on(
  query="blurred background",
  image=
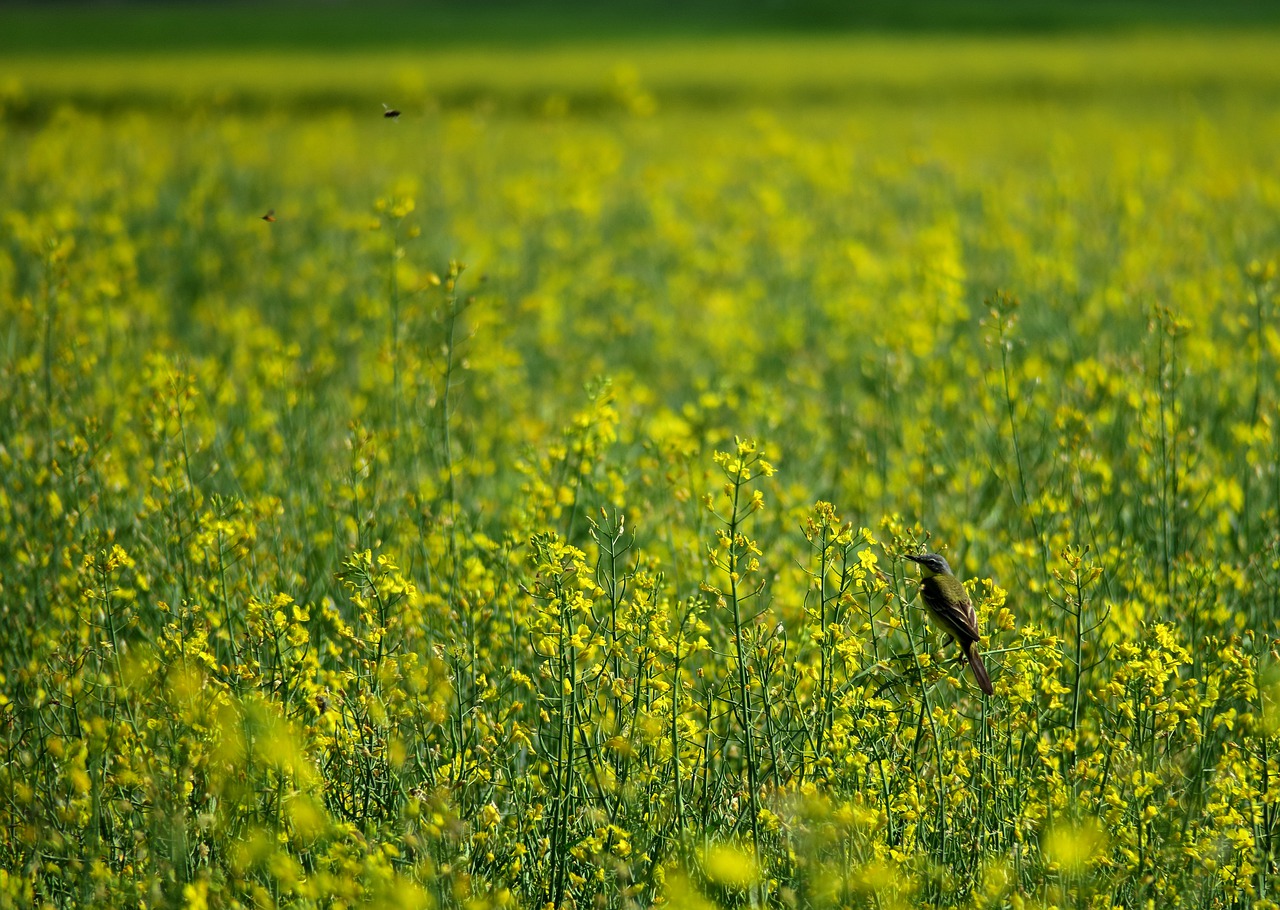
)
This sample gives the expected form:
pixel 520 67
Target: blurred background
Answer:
pixel 996 277
pixel 699 52
pixel 58 26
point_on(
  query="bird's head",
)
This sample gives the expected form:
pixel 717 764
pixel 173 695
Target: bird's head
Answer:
pixel 931 564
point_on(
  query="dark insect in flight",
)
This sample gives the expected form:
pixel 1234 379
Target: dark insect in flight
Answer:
pixel 270 216
pixel 390 113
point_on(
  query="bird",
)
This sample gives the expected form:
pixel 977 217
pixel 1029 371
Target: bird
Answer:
pixel 948 604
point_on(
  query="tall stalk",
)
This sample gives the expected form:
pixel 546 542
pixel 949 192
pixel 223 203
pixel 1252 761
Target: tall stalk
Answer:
pixel 735 556
pixel 1004 314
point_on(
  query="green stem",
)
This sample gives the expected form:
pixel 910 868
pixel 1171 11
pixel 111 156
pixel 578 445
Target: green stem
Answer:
pixel 753 796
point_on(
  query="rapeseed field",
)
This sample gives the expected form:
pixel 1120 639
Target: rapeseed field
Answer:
pixel 506 504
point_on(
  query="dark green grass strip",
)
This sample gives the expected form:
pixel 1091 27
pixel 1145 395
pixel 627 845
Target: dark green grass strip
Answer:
pixel 167 27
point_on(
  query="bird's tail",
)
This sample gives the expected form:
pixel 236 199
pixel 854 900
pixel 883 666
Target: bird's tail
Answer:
pixel 979 669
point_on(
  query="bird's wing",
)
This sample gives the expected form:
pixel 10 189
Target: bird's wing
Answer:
pixel 947 598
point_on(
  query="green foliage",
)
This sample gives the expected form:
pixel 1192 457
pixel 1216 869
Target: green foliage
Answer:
pixel 333 573
pixel 148 27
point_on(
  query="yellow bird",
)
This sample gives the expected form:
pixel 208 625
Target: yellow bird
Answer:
pixel 948 603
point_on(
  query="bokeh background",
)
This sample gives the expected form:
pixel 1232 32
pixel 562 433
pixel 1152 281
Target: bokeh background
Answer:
pixel 504 503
